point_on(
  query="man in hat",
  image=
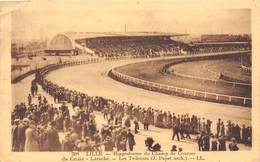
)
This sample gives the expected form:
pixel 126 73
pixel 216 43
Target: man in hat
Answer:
pixel 233 145
pixel 52 138
pixel 200 140
pixel 206 142
pixel 131 140
pixel 64 109
pixel 31 142
pixel 105 112
pixel 136 126
pixel 15 141
pixel 29 99
pixel 86 145
pixel 214 143
pixel 218 127
pixel 109 144
pixel 176 130
pixel 23 125
pixel 222 143
pixel 67 144
pixel 146 122
pixel 127 122
pixel 97 137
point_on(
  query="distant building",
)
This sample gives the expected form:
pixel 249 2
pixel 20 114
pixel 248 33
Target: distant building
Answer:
pixel 28 49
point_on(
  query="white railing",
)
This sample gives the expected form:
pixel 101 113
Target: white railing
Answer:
pixel 211 80
pixel 184 91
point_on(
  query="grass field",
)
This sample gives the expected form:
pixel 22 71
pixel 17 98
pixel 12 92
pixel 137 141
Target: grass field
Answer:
pixel 151 71
pixel 206 68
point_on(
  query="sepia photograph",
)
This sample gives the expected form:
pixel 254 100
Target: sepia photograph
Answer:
pixel 130 81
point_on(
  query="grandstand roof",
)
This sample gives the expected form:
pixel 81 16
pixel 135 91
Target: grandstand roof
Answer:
pixel 82 35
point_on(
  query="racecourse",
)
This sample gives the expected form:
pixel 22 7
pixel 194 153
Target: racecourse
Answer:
pixel 93 80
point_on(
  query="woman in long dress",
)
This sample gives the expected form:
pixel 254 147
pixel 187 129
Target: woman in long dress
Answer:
pixel 31 142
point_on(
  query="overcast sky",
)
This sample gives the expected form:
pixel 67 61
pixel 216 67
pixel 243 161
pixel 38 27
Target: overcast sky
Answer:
pixel 46 18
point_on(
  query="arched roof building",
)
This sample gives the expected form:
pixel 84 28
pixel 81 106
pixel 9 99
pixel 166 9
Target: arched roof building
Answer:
pixel 65 43
pixel 61 42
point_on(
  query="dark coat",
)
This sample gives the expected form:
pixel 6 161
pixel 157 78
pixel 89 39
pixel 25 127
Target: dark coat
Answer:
pixel 15 141
pixel 52 140
pixel 131 139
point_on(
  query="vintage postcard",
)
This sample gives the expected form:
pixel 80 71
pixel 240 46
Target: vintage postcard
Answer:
pixel 96 80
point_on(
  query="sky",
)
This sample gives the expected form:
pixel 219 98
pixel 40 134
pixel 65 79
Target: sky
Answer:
pixel 46 18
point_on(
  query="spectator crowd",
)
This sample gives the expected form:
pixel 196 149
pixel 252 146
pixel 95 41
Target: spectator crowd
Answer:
pixel 155 46
pixel 140 46
pixel 195 48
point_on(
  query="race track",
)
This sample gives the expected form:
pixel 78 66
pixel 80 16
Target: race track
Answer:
pixel 92 79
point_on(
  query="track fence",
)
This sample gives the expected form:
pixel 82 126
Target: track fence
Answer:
pixel 172 90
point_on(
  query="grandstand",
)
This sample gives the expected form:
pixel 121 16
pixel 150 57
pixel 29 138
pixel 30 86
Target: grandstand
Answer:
pixel 114 44
pixel 202 47
pixel 134 46
pixel 142 44
pixel 225 38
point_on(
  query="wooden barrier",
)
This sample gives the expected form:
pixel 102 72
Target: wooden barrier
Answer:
pixel 236 100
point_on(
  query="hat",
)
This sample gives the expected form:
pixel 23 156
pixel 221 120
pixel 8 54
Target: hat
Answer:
pixel 26 120
pixel 233 139
pixel 87 138
pixel 108 138
pixel 53 123
pixel 32 122
pixel 16 120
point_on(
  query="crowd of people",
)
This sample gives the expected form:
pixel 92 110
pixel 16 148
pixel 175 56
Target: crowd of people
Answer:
pixel 218 47
pixel 140 46
pixel 36 126
pixel 155 46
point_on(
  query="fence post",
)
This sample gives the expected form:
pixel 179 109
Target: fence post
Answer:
pixel 229 98
pixel 244 101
